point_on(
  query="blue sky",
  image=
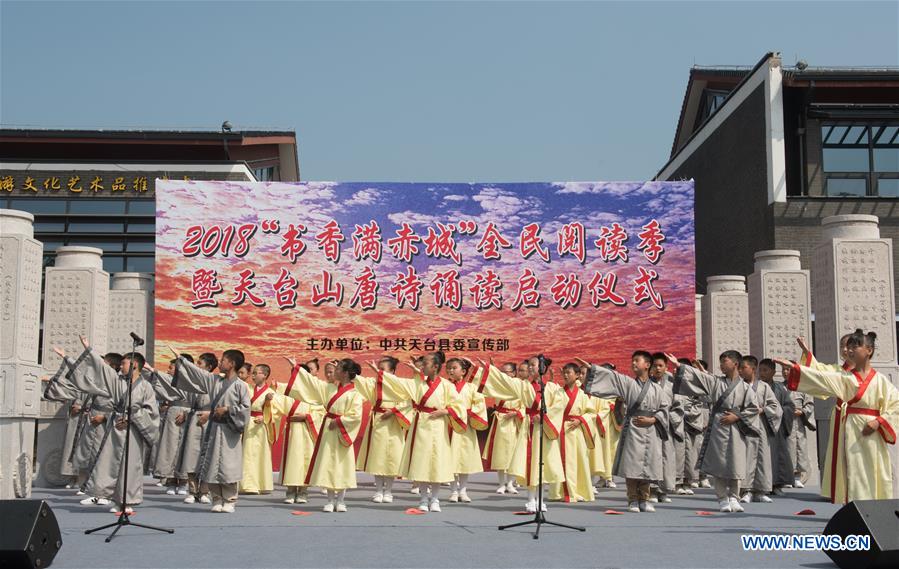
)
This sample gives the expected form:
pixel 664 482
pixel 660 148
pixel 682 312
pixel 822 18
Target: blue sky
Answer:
pixel 415 91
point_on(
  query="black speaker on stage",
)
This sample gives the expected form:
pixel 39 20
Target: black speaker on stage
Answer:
pixel 29 534
pixel 876 518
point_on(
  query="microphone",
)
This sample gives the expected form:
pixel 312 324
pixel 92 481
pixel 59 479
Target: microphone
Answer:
pixel 138 341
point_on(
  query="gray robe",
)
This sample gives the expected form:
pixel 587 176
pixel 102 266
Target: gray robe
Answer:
pixel 696 418
pixel 107 479
pixel 61 390
pixel 167 451
pixel 780 448
pixel 798 442
pixel 221 458
pixel 639 452
pixel 760 471
pixel 188 461
pixel 725 455
pixel 670 477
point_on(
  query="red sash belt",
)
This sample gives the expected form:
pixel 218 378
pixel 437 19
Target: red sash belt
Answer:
pixel 862 411
pixel 507 411
pixel 422 408
pixel 256 414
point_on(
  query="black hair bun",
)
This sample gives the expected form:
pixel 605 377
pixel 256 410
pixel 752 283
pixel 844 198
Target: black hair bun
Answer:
pixel 441 357
pixel 872 335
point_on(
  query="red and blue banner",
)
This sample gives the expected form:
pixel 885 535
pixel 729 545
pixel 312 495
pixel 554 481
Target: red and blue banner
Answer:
pixel 328 269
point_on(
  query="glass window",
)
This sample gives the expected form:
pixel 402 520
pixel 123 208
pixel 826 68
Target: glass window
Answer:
pixel 113 264
pixel 888 187
pixel 856 135
pixel 141 264
pixel 141 227
pixel 142 246
pixel 101 227
pixel 49 227
pixel 847 187
pixel 886 159
pixel 39 205
pixel 51 245
pixel 887 135
pixel 846 160
pixel 97 207
pixel 107 246
pixel 833 134
pixel 142 207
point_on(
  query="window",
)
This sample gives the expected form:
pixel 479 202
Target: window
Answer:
pixel 113 264
pixel 711 101
pixel 141 264
pixel 141 227
pixel 88 227
pixel 142 207
pixel 264 174
pixel 96 207
pixel 860 159
pixel 142 246
pixel 37 206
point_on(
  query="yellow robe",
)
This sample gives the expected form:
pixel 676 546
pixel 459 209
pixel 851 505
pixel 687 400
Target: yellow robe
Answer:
pixel 333 463
pixel 857 466
pixel 526 463
pixel 299 437
pixel 427 455
pixel 600 410
pixel 808 359
pixel 381 453
pixel 506 435
pixel 257 443
pixel 575 448
pixel 466 451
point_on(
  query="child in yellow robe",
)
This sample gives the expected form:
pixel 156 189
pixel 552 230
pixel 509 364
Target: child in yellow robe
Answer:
pixel 526 464
pixel 381 451
pixel 436 408
pixel 333 462
pixel 259 435
pixel 466 451
pixel 505 436
pixel 808 359
pixel 866 416
pixel 606 435
pixel 300 434
pixel 575 446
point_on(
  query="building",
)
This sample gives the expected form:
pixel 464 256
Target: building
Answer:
pixel 773 150
pixel 98 187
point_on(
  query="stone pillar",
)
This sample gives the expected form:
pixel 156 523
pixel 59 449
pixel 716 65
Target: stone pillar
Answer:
pixel 131 310
pixel 21 258
pixel 725 318
pixel 76 302
pixel 853 288
pixel 698 324
pixel 780 305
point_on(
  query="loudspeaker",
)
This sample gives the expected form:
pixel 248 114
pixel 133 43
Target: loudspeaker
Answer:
pixel 876 518
pixel 29 534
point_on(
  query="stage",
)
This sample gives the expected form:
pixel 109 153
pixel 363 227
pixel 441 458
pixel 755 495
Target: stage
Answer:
pixel 264 533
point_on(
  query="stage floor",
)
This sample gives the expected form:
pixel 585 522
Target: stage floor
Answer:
pixel 264 532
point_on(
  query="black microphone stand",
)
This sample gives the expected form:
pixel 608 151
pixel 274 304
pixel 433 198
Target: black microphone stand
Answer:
pixel 124 519
pixel 539 517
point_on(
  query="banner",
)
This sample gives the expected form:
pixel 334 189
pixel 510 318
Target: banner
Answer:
pixel 501 271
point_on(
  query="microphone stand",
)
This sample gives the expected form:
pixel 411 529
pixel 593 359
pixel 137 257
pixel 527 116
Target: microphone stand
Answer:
pixel 124 519
pixel 539 517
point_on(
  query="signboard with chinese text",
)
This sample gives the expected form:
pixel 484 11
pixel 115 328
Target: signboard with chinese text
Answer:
pixel 501 271
pixel 36 183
